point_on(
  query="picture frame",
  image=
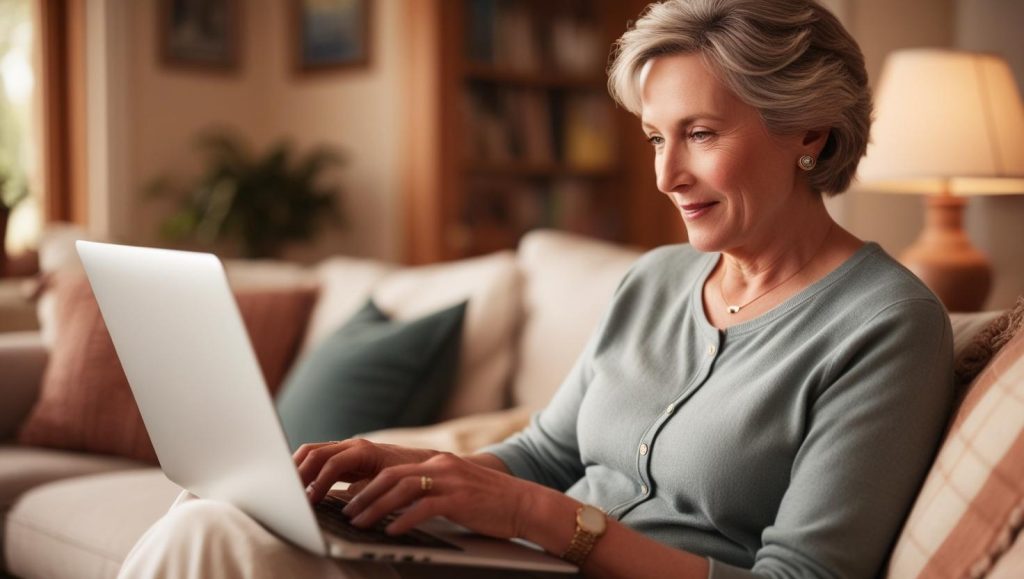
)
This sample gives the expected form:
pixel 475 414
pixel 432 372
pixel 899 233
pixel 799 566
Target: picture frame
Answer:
pixel 200 34
pixel 330 35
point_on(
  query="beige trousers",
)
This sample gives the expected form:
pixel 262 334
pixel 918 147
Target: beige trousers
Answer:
pixel 203 539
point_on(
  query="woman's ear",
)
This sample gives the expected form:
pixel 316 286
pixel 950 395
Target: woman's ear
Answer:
pixel 814 141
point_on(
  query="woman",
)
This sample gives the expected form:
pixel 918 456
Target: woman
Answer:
pixel 764 401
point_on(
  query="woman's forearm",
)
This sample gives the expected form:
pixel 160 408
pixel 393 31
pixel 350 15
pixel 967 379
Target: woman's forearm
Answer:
pixel 621 553
pixel 550 522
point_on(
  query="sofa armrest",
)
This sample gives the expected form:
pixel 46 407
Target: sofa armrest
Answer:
pixel 460 435
pixel 22 362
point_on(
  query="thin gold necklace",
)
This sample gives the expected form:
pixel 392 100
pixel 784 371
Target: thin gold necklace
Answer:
pixel 735 309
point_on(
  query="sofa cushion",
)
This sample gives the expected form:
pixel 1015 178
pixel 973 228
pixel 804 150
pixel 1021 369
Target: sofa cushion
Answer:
pixel 85 402
pixel 463 435
pixel 569 285
pixel 492 285
pixel 372 373
pixel 1011 564
pixel 23 468
pixel 22 363
pixel 971 507
pixel 83 528
pixel 345 283
pixel 977 352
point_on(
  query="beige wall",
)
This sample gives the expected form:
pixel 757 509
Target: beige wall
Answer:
pixel 162 110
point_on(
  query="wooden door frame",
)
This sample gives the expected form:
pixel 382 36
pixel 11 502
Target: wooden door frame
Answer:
pixel 63 88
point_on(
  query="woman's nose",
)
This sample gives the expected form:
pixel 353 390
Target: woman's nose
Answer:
pixel 672 170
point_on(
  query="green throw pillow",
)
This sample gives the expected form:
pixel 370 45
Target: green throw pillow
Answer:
pixel 372 373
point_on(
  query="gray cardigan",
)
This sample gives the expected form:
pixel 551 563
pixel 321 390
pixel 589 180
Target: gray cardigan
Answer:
pixel 791 445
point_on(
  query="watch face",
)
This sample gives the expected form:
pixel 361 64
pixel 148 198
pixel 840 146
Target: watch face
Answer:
pixel 592 520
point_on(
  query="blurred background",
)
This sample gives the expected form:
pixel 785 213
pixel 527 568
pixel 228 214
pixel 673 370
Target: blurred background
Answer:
pixel 405 130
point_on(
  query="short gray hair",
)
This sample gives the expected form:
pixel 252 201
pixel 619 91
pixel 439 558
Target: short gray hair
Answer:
pixel 790 59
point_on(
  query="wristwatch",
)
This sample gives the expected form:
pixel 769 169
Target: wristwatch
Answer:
pixel 591 523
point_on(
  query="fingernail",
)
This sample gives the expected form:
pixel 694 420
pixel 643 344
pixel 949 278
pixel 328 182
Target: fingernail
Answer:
pixel 309 490
pixel 351 508
pixel 360 520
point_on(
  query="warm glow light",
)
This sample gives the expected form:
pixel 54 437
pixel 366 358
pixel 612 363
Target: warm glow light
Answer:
pixel 946 117
pixel 16 67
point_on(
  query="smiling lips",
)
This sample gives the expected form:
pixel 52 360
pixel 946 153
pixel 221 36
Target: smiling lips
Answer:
pixel 695 210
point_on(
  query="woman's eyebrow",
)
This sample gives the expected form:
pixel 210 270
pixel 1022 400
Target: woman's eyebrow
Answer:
pixel 685 121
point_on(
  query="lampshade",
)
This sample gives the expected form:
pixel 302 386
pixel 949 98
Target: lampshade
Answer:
pixel 947 122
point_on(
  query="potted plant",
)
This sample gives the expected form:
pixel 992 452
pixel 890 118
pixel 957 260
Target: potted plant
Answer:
pixel 263 202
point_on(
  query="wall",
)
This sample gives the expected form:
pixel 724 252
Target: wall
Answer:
pixel 149 116
pixel 356 111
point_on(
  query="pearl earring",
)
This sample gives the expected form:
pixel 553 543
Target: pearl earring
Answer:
pixel 807 162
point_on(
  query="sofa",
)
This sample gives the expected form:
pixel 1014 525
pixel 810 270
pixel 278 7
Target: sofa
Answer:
pixel 76 515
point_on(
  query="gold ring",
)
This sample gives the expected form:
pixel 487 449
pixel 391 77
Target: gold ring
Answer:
pixel 426 483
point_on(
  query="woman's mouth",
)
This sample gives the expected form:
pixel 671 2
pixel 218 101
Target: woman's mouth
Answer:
pixel 696 210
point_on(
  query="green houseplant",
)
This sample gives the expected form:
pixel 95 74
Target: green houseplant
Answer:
pixel 263 202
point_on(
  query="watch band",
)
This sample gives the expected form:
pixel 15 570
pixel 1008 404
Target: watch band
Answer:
pixel 584 539
pixel 580 546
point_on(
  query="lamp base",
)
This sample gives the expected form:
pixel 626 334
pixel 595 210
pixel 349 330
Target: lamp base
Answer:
pixel 945 260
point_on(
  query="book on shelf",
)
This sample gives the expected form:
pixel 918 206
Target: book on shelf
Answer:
pixel 502 33
pixel 576 46
pixel 589 131
pixel 517 206
pixel 504 125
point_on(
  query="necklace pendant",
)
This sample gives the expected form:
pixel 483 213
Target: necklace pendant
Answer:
pixel 734 309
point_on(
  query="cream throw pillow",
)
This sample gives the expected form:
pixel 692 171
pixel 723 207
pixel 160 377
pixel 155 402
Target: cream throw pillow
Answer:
pixel 569 284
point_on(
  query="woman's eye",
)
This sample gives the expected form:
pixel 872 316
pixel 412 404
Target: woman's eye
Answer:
pixel 700 136
pixel 655 140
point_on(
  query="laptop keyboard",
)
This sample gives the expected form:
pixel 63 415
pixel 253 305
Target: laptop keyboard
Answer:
pixel 328 513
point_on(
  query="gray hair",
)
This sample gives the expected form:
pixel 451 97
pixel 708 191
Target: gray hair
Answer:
pixel 790 59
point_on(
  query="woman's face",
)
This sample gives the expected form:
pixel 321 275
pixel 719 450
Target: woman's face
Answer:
pixel 734 184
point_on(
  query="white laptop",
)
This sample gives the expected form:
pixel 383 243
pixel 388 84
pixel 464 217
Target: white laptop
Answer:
pixel 186 353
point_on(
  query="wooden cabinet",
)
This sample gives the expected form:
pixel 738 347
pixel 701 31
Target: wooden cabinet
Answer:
pixel 511 128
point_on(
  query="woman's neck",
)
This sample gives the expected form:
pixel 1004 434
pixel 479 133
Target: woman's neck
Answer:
pixel 788 250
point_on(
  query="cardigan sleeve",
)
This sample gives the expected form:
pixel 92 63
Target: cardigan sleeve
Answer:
pixel 871 436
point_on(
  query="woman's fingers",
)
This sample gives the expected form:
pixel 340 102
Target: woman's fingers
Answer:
pixel 381 484
pixel 403 493
pixel 304 450
pixel 420 511
pixel 349 464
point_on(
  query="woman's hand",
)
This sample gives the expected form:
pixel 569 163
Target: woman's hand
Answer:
pixel 477 497
pixel 355 461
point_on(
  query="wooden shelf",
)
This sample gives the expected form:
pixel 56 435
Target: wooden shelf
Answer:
pixel 503 140
pixel 526 169
pixel 488 73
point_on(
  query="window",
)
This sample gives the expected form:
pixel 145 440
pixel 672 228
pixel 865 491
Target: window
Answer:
pixel 18 135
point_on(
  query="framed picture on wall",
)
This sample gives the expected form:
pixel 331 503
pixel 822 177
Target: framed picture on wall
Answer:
pixel 331 34
pixel 201 34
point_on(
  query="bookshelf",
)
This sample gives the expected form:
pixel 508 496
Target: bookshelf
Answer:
pixel 511 128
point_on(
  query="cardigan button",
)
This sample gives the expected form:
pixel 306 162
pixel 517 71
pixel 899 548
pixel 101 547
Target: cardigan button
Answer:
pixel 644 490
pixel 643 449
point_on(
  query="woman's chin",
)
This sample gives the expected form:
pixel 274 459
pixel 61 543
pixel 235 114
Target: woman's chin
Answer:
pixel 702 241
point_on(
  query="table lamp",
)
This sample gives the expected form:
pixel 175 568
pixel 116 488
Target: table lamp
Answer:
pixel 949 124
